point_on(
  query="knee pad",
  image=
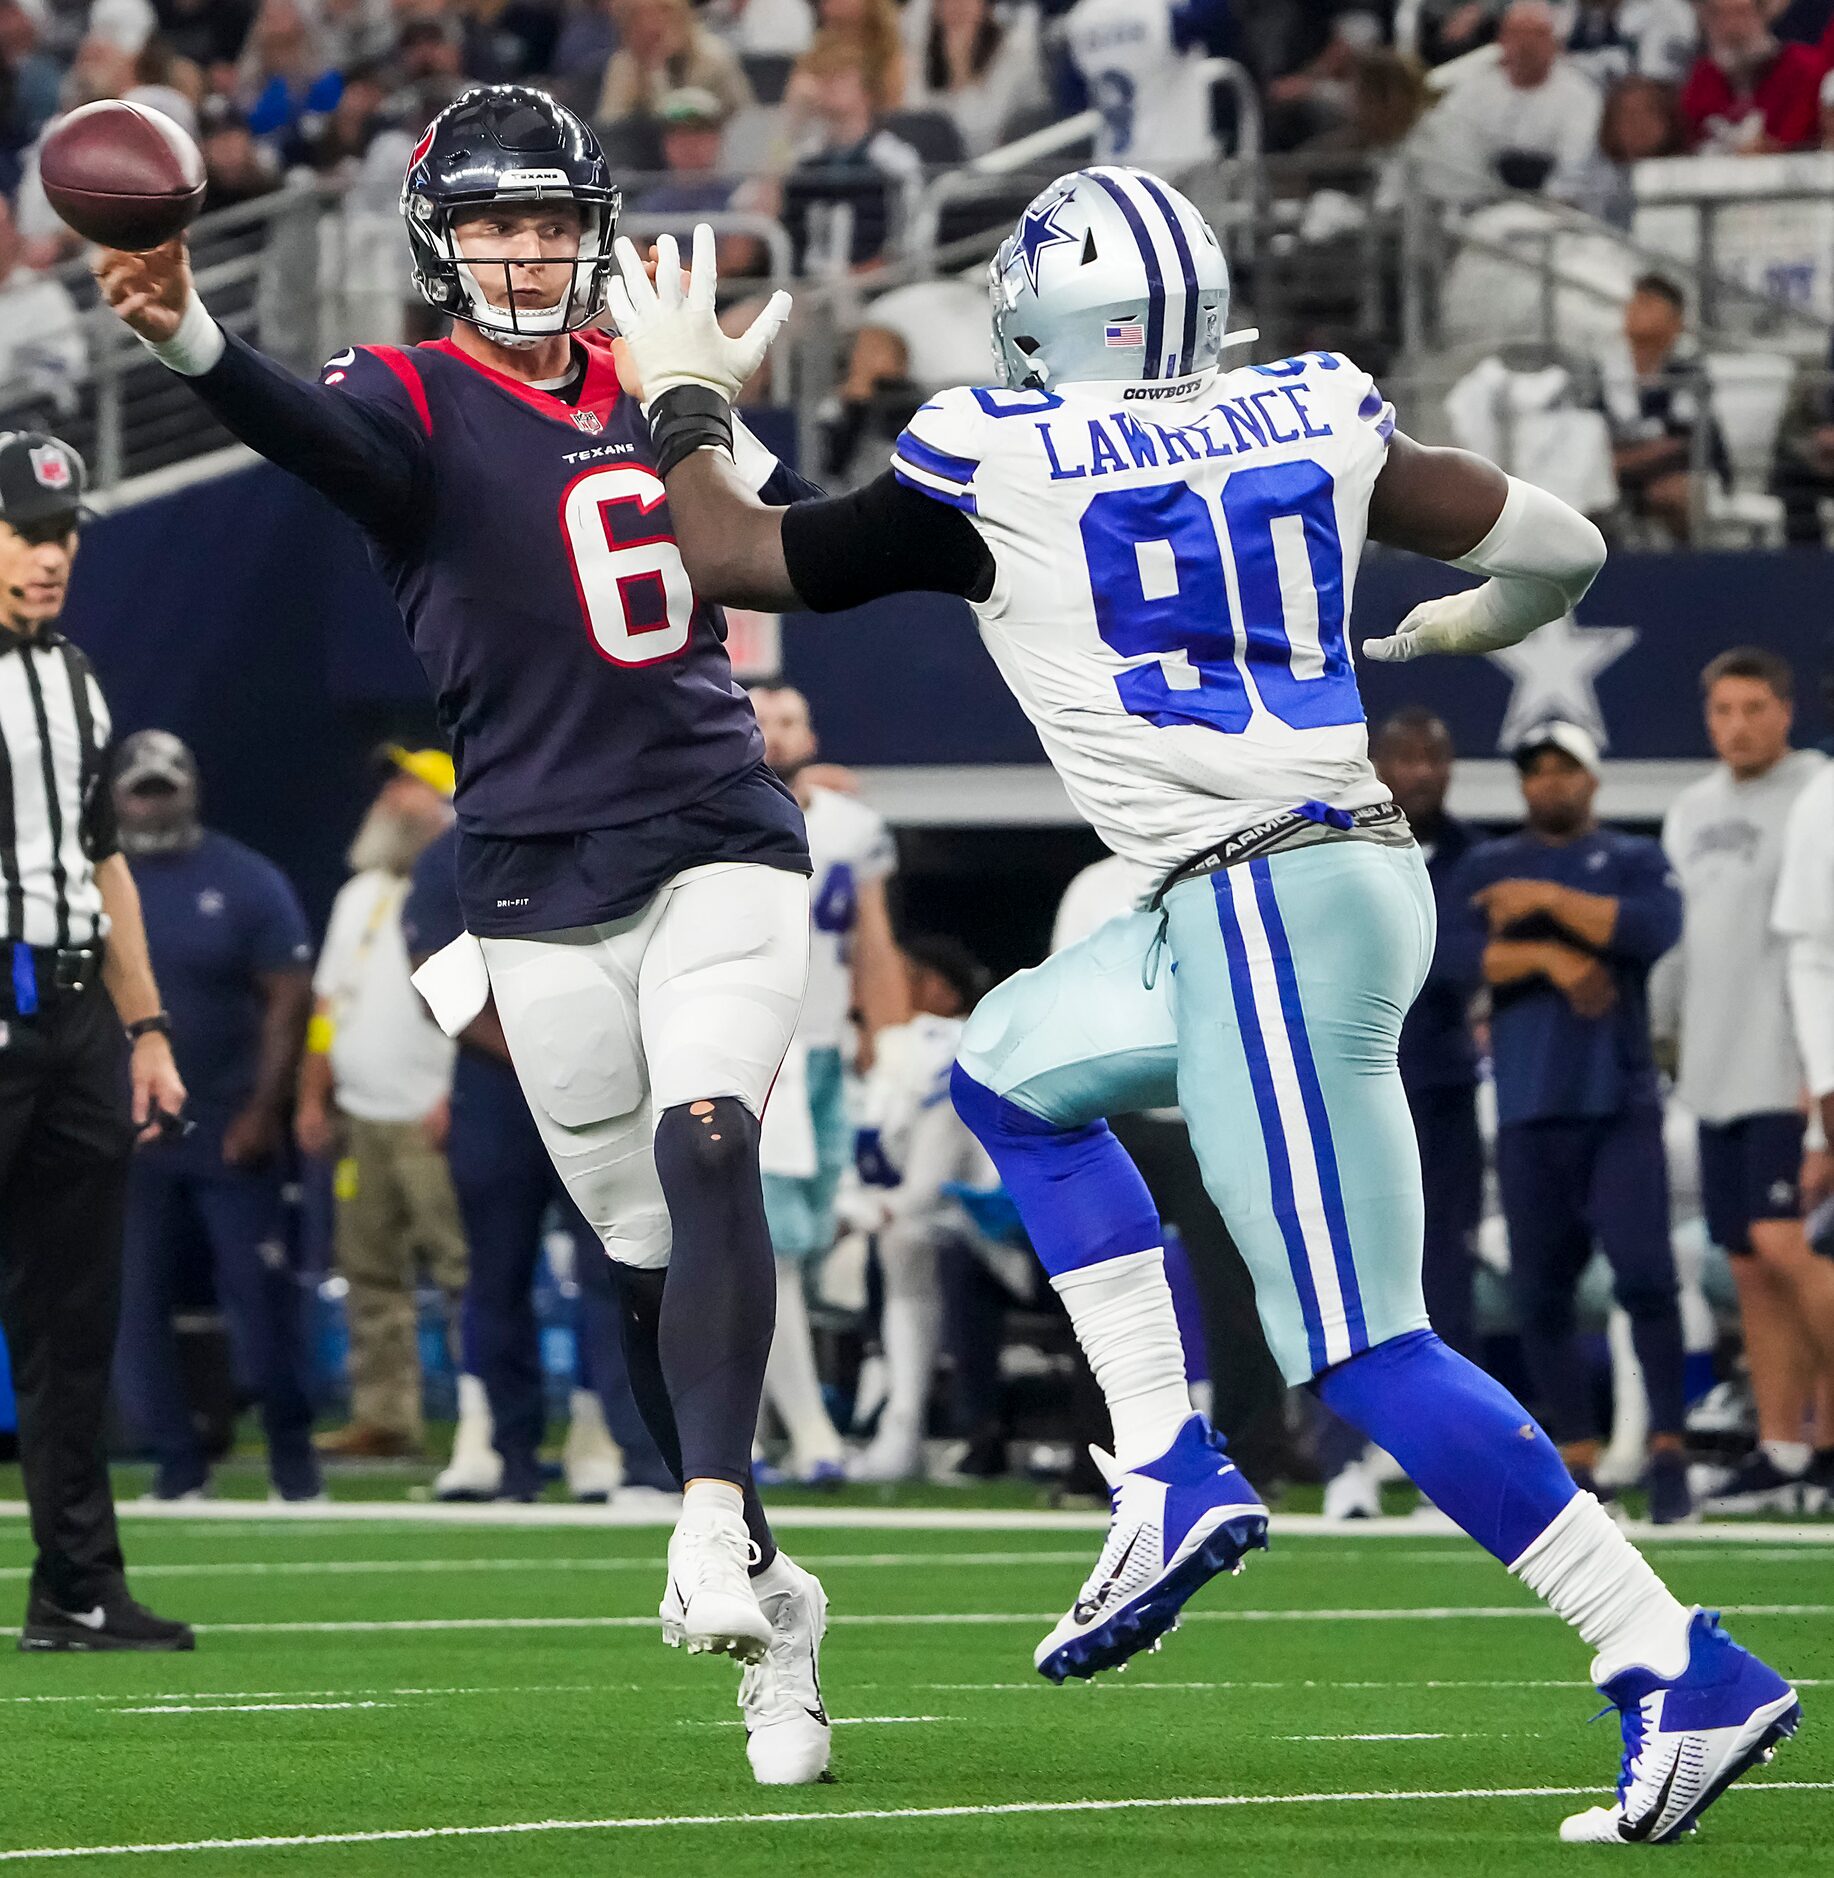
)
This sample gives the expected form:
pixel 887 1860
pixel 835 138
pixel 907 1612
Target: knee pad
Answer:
pixel 711 1140
pixel 640 1244
pixel 575 1043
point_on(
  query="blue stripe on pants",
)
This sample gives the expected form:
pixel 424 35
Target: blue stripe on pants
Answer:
pixel 1273 1134
pixel 1318 1120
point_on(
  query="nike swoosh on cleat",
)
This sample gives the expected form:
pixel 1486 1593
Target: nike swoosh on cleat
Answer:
pixel 1641 1829
pixel 90 1620
pixel 1086 1608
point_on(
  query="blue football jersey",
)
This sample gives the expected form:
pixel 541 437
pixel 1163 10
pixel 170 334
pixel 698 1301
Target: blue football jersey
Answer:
pixel 601 743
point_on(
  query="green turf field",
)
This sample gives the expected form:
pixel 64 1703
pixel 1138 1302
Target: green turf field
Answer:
pixel 402 1697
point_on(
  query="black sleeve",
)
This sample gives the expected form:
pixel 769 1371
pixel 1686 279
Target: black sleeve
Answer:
pixel 887 538
pixel 784 486
pixel 353 450
pixel 99 832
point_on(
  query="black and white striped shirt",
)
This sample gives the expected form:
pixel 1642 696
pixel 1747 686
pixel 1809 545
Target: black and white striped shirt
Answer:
pixel 56 816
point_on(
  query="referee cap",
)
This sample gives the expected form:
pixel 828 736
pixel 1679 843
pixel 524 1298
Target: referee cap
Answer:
pixel 41 477
pixel 1572 740
pixel 432 767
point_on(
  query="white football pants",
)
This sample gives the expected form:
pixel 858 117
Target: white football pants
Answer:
pixel 695 997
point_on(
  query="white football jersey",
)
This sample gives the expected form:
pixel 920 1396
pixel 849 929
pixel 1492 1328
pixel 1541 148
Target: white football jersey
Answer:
pixel 1172 588
pixel 850 847
pixel 1153 96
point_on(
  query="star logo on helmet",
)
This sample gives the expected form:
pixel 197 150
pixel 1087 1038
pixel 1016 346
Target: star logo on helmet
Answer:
pixel 1038 230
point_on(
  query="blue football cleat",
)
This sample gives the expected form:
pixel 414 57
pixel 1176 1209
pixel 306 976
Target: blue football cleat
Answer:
pixel 1687 1740
pixel 1177 1522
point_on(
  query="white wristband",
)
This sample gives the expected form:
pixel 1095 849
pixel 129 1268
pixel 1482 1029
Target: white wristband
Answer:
pixel 195 347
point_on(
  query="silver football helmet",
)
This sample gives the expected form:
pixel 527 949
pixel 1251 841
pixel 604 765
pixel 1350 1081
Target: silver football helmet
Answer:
pixel 1110 275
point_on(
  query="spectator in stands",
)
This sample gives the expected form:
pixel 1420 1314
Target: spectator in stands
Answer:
pixel 663 47
pixel 373 1090
pixel 873 28
pixel 587 38
pixel 334 145
pixel 840 201
pixel 354 31
pixel 1137 62
pixel 1654 398
pixel 912 342
pixel 1610 40
pixel 236 167
pixel 1530 121
pixel 43 355
pixel 284 70
pixel 235 966
pixel 1572 918
pixel 430 60
pixel 1642 120
pixel 1749 94
pixel 1388 100
pixel 1801 22
pixel 1316 97
pixel 211 33
pixel 29 79
pixel 692 123
pixel 1740 1072
pixel 1804 475
pixel 979 70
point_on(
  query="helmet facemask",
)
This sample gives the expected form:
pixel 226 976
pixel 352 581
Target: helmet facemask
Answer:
pixel 453 281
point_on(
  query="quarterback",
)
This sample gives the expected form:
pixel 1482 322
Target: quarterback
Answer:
pixel 634 879
pixel 1162 556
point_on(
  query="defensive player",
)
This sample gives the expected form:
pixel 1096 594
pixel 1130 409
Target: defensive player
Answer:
pixel 634 879
pixel 1162 558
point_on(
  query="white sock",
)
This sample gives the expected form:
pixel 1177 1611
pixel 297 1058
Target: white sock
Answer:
pixel 1789 1457
pixel 790 1382
pixel 1589 1573
pixel 1123 1316
pixel 475 1427
pixel 910 1329
pixel 714 1502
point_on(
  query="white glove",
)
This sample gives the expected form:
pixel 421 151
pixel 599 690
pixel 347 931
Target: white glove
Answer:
pixel 1461 622
pixel 675 340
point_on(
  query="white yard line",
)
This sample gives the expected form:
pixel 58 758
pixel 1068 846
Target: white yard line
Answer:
pixel 245 1708
pixel 856 1816
pixel 1430 1613
pixel 258 1515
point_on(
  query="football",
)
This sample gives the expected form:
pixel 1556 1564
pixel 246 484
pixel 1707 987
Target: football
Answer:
pixel 123 175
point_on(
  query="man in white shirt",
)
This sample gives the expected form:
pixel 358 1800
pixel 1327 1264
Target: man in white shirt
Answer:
pixel 807 1142
pixel 1741 1075
pixel 373 1090
pixel 1528 121
pixel 43 357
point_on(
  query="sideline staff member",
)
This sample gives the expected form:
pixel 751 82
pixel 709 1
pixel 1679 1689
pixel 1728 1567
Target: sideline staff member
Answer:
pixel 73 972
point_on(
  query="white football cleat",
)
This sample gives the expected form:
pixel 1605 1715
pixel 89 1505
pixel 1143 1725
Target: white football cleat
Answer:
pixel 1687 1738
pixel 1178 1521
pixel 786 1726
pixel 895 1453
pixel 710 1605
pixel 475 1471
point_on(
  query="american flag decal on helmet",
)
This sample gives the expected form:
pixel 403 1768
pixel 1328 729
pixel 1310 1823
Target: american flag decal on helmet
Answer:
pixel 1125 333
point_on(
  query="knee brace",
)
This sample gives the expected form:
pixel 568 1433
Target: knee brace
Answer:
pixel 1080 1196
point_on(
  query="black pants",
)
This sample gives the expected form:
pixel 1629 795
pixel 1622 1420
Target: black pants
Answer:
pixel 1452 1169
pixel 65 1141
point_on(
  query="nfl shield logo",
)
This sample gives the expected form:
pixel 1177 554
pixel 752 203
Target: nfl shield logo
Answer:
pixel 588 421
pixel 50 466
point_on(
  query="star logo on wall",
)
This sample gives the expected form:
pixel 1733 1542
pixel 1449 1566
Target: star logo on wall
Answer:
pixel 1555 673
pixel 1038 230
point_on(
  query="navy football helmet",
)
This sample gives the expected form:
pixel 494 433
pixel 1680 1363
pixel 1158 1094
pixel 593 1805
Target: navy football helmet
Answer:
pixel 507 143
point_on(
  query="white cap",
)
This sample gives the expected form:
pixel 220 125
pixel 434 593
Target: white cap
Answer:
pixel 1556 734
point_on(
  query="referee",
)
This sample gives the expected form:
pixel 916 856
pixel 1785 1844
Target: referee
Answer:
pixel 74 1092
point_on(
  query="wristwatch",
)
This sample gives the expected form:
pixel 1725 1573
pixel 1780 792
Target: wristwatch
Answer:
pixel 158 1025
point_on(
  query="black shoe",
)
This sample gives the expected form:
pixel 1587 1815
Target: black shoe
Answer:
pixel 1819 1481
pixel 116 1623
pixel 1587 1482
pixel 1758 1485
pixel 1670 1502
